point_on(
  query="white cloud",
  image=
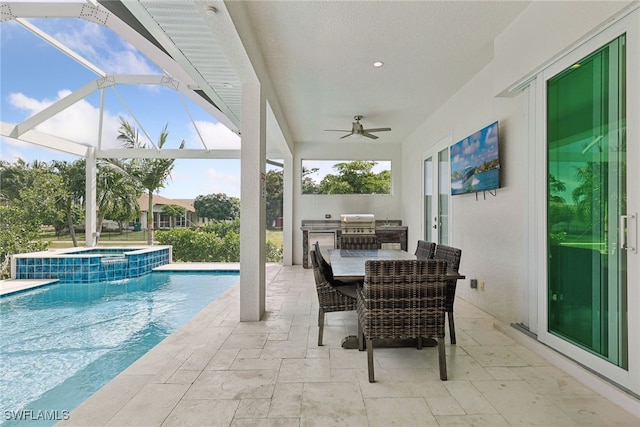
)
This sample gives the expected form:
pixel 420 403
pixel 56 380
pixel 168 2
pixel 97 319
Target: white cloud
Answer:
pixel 219 182
pixel 191 178
pixel 104 49
pixel 78 123
pixel 215 135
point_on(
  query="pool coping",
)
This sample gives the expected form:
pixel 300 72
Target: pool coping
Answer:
pixel 14 286
pixel 199 266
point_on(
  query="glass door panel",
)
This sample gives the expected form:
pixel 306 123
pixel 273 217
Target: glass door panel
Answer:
pixel 586 200
pixel 437 187
pixel 444 182
pixel 428 200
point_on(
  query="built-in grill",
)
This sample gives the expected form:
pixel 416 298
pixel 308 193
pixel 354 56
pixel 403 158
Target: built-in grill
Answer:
pixel 358 224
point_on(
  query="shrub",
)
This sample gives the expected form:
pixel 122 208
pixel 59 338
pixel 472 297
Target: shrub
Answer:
pixel 18 234
pixel 213 243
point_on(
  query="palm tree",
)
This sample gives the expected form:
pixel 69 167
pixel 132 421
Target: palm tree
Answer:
pixel 151 173
pixel 117 194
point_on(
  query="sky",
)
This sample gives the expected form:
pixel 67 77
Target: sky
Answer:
pixel 34 74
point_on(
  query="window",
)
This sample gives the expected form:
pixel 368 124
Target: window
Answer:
pixel 346 177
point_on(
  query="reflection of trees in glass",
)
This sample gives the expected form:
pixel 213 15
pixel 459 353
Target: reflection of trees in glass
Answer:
pixel 559 212
pixel 356 177
pixel 587 196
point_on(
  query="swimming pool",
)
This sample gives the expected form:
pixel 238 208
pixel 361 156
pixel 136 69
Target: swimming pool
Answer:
pixel 61 343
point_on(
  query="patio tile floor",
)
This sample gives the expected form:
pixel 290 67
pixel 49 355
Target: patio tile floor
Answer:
pixel 217 371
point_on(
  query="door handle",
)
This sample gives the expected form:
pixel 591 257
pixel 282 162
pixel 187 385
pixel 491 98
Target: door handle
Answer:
pixel 624 232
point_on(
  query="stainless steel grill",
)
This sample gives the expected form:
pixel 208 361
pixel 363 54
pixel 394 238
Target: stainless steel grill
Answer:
pixel 358 224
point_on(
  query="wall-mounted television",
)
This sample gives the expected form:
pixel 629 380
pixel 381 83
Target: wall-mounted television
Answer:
pixel 475 163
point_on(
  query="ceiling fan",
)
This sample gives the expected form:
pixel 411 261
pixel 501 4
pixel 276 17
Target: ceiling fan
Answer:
pixel 358 130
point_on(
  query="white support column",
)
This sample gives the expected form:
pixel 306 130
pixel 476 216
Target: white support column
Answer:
pixel 287 212
pixel 252 204
pixel 90 220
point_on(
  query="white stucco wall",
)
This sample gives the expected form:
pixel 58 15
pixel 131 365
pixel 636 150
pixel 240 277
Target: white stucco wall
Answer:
pixel 315 207
pixel 543 31
pixel 490 231
pixel 494 233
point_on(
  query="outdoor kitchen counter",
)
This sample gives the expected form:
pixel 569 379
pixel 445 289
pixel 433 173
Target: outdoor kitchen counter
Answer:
pixel 389 232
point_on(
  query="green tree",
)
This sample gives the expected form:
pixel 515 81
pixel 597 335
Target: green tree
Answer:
pixel 173 211
pixel 72 193
pixel 42 198
pixel 116 195
pixel 13 178
pixel 18 234
pixel 22 217
pixel 151 173
pixel 356 177
pixel 309 186
pixel 218 207
pixel 274 187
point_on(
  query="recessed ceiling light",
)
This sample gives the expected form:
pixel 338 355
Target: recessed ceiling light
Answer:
pixel 211 10
pixel 378 64
pixel 227 85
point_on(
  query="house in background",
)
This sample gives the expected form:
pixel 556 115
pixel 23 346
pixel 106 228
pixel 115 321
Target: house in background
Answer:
pixel 163 221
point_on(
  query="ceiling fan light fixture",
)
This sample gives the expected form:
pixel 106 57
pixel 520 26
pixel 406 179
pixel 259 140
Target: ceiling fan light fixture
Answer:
pixel 358 131
pixel 378 64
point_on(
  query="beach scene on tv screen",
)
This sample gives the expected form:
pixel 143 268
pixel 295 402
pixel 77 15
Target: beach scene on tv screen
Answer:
pixel 475 165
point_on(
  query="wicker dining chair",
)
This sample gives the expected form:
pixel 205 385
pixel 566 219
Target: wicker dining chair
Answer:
pixel 327 271
pixel 325 267
pixel 402 299
pixel 425 250
pixel 452 256
pixel 357 241
pixel 330 299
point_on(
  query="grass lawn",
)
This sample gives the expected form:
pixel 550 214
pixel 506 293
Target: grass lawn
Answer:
pixel 275 236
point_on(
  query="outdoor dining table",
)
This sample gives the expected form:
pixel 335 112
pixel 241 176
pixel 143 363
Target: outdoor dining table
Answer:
pixel 349 265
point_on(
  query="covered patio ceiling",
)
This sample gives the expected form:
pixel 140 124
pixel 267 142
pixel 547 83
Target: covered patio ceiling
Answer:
pixel 314 59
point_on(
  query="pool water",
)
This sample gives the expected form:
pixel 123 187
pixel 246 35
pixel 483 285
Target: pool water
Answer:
pixel 62 342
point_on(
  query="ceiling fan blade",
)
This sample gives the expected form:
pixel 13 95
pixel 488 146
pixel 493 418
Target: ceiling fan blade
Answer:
pixel 347 135
pixel 369 135
pixel 337 130
pixel 378 130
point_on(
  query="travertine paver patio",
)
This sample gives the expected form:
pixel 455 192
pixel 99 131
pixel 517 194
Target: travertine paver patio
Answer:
pixel 217 371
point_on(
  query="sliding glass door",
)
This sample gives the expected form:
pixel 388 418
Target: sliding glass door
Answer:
pixel 437 192
pixel 588 219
